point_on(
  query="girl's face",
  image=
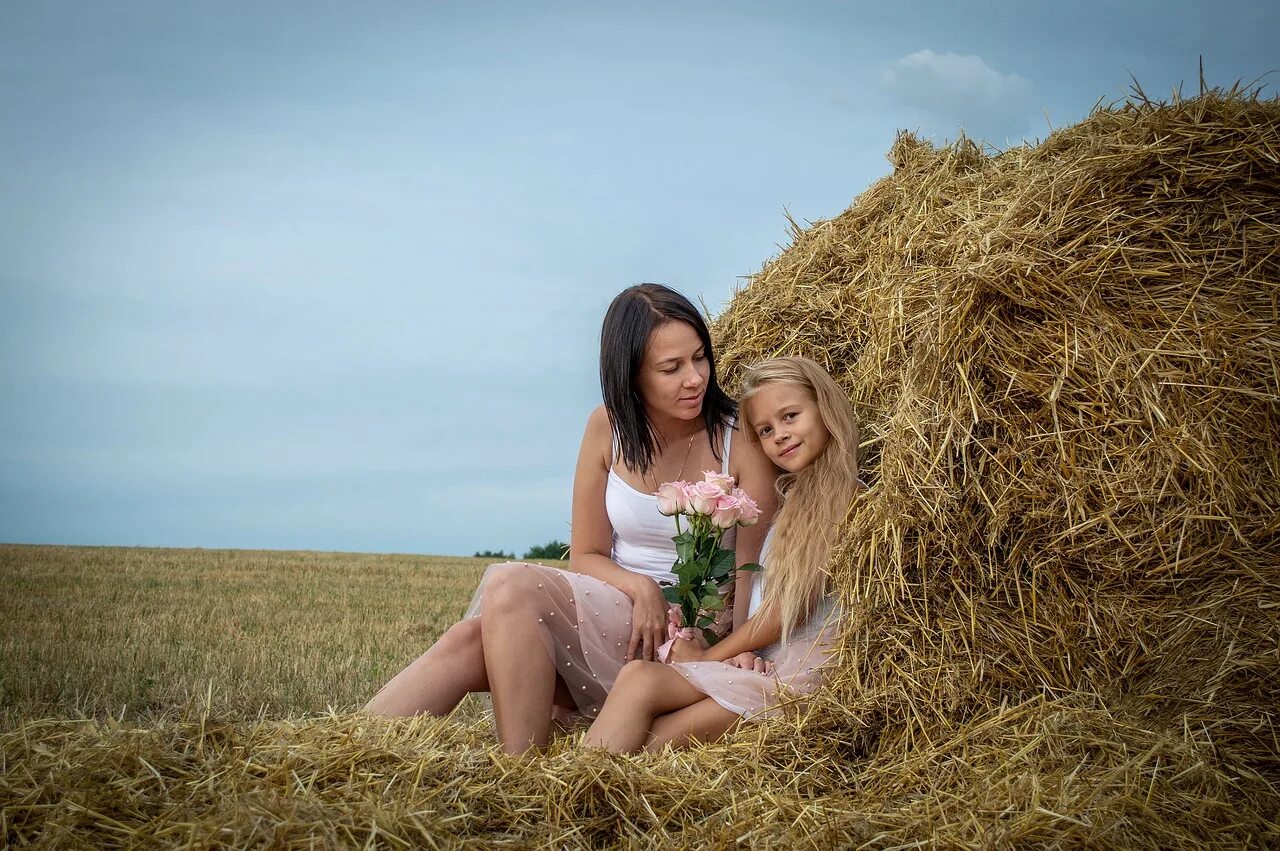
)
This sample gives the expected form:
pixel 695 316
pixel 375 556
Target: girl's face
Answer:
pixel 787 422
pixel 674 375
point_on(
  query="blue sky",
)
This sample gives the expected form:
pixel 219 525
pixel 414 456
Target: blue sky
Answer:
pixel 330 276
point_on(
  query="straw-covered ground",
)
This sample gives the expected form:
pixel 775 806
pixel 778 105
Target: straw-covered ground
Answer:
pixel 1065 578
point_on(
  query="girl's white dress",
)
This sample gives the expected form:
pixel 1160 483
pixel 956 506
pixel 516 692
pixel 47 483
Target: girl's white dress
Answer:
pixel 797 666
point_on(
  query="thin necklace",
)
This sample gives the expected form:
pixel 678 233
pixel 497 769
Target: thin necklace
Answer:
pixel 687 453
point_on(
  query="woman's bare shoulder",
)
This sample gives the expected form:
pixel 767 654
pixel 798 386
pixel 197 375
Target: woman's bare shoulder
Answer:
pixel 597 440
pixel 598 425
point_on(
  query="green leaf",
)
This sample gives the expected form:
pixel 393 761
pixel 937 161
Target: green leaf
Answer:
pixel 722 562
pixel 688 571
pixel 671 593
pixel 684 549
pixel 712 603
pixel 705 621
pixel 752 566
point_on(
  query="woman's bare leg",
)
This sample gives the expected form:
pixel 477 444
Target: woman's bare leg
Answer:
pixel 704 721
pixel 522 675
pixel 643 691
pixel 437 680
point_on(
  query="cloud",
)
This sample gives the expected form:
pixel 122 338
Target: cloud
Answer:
pixel 963 91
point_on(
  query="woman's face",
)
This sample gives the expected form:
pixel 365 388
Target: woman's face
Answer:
pixel 786 419
pixel 673 377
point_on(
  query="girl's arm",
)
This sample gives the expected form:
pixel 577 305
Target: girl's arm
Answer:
pixel 756 475
pixel 761 630
pixel 591 540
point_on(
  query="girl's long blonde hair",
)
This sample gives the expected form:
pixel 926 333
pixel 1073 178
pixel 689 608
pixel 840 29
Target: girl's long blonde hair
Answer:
pixel 814 500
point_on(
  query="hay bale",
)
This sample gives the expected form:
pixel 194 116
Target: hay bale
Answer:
pixel 1064 578
pixel 1065 357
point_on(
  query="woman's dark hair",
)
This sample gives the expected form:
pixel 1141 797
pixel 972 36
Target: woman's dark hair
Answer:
pixel 628 324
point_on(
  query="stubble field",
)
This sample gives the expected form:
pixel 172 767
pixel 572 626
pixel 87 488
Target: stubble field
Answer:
pixel 142 633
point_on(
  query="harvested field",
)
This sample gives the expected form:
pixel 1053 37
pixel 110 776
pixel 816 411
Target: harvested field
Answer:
pixel 134 633
pixel 1065 577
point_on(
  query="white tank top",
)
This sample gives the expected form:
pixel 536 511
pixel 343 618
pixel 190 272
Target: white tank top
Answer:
pixel 641 536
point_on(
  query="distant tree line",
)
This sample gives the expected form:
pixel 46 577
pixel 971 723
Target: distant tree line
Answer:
pixel 553 549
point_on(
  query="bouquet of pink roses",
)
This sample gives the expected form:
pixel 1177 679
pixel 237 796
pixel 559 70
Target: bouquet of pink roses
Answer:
pixel 712 506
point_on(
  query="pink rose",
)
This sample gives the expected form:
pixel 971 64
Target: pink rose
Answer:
pixel 724 481
pixel 748 511
pixel 674 498
pixel 686 497
pixel 670 496
pixel 728 512
pixel 703 496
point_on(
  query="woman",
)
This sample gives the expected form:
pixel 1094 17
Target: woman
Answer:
pixel 805 425
pixel 535 635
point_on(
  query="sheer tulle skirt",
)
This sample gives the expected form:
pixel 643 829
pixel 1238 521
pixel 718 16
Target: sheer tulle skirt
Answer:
pixel 797 669
pixel 585 627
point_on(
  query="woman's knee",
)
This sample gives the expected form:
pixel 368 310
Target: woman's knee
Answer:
pixel 510 587
pixel 464 634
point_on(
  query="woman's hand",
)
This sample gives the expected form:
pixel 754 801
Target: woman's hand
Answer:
pixel 648 618
pixel 684 650
pixel 749 661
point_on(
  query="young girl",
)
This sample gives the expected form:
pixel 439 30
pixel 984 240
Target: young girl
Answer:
pixel 805 425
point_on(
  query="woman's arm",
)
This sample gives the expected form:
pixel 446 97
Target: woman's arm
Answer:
pixel 591 540
pixel 756 475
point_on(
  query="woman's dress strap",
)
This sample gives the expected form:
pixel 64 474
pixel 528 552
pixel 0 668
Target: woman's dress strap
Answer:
pixel 728 439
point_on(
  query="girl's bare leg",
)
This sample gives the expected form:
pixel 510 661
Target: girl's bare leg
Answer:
pixel 522 676
pixel 704 721
pixel 643 691
pixel 439 678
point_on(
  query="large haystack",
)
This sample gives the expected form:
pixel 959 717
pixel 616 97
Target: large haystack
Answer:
pixel 1065 578
pixel 1067 360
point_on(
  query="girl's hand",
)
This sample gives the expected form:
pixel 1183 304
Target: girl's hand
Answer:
pixel 648 618
pixel 684 650
pixel 749 661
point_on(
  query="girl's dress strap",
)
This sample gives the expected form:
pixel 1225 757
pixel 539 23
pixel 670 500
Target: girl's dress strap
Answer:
pixel 613 459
